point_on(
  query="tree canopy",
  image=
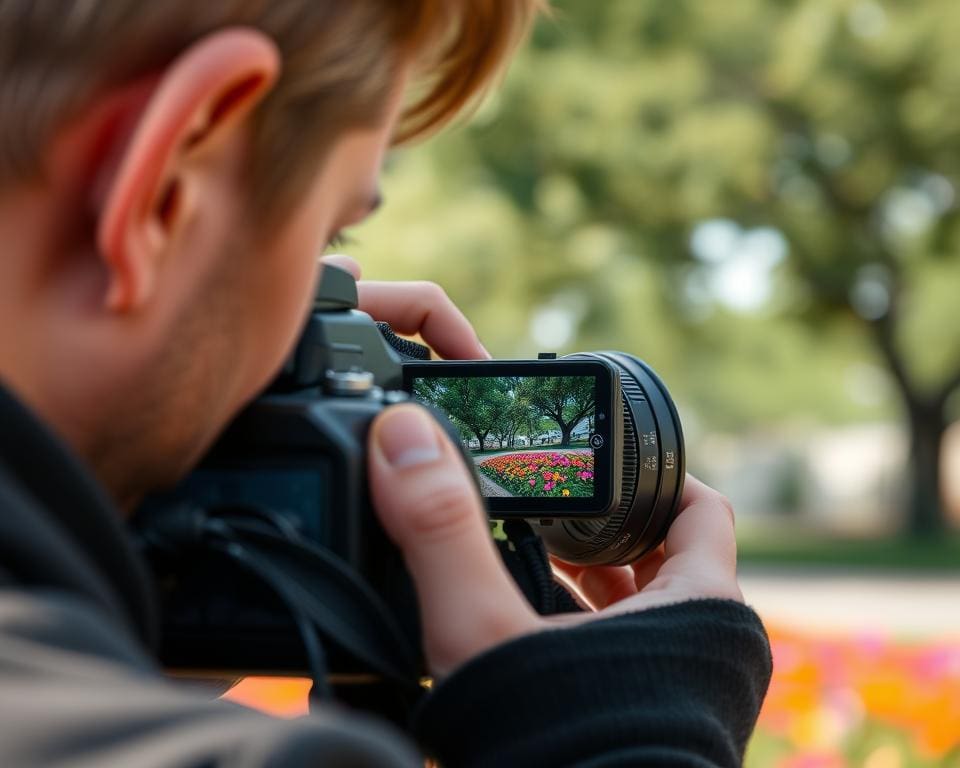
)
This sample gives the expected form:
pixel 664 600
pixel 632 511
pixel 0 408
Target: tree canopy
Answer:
pixel 510 406
pixel 756 196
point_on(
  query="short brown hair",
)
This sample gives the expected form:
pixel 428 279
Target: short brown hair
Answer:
pixel 339 60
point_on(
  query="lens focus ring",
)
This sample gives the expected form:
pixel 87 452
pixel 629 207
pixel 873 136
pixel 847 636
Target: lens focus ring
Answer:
pixel 652 476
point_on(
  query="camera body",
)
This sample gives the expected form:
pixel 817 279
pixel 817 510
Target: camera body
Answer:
pixel 602 487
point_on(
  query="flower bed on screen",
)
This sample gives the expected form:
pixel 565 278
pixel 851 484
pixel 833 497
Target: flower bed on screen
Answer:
pixel 542 473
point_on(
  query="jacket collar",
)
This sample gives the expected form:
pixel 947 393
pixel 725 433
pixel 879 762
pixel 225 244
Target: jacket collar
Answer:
pixel 73 507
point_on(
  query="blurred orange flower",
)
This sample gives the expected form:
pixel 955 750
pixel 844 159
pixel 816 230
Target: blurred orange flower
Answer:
pixel 826 688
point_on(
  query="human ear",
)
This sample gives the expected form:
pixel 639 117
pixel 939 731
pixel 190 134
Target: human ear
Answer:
pixel 201 98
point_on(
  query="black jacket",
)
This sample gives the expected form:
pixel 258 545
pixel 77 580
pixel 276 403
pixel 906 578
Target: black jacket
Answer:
pixel 674 686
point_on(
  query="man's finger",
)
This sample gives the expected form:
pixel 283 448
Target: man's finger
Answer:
pixel 600 586
pixel 701 542
pixel 429 506
pixel 569 570
pixel 646 569
pixel 606 585
pixel 423 308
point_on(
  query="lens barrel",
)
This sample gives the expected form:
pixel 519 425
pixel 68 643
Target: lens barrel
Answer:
pixel 652 475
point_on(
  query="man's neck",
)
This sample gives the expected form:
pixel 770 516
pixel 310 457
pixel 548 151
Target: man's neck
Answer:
pixel 102 458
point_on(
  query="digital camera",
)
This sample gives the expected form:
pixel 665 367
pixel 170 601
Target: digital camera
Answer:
pixel 274 532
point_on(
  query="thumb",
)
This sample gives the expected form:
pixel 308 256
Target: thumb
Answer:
pixel 428 504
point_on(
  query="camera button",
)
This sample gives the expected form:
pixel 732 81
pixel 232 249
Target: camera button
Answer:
pixel 349 383
pixel 596 441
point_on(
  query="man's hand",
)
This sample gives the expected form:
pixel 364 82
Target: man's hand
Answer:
pixel 698 559
pixel 428 504
pixel 416 308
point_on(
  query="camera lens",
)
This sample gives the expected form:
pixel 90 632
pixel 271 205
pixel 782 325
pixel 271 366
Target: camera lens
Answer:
pixel 652 475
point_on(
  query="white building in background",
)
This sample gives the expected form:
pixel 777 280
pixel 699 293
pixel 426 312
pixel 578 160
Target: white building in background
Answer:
pixel 547 438
pixel 581 431
pixel 847 480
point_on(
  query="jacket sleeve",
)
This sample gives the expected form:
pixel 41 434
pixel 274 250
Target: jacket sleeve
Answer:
pixel 676 686
pixel 76 691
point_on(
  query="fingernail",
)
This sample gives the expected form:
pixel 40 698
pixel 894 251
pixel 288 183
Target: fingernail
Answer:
pixel 406 437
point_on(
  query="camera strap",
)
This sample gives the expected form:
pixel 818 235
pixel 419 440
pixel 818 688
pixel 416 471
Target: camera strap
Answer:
pixel 327 599
pixel 526 558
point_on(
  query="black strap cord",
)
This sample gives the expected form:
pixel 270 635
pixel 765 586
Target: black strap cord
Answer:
pixel 536 579
pixel 527 560
pixel 326 598
pixel 316 657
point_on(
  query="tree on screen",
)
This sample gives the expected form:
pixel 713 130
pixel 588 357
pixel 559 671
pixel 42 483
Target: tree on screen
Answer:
pixel 472 404
pixel 565 400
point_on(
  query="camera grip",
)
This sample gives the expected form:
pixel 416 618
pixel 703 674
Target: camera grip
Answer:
pixel 408 350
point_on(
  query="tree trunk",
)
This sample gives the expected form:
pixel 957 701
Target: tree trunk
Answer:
pixel 926 508
pixel 481 438
pixel 926 505
pixel 565 435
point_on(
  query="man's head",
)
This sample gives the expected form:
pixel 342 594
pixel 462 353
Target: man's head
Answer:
pixel 169 173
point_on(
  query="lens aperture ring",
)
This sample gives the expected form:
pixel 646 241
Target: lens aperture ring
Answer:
pixel 597 534
pixel 651 474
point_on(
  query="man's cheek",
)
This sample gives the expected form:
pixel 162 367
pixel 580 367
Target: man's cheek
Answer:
pixel 281 319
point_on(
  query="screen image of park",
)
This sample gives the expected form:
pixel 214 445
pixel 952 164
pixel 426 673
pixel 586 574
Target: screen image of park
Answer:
pixel 528 435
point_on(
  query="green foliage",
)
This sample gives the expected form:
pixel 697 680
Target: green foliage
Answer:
pixel 473 404
pixel 803 551
pixel 505 407
pixel 756 196
pixel 564 400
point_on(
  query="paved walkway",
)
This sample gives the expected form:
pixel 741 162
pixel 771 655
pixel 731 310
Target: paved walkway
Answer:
pixel 488 488
pixel 478 457
pixel 837 601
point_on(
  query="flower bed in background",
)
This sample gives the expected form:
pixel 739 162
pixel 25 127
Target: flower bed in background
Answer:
pixel 864 700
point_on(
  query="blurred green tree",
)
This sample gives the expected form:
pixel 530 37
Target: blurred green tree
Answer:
pixel 751 194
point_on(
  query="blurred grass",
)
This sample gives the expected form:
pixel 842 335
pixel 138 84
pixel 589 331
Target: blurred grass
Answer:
pixel 893 554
